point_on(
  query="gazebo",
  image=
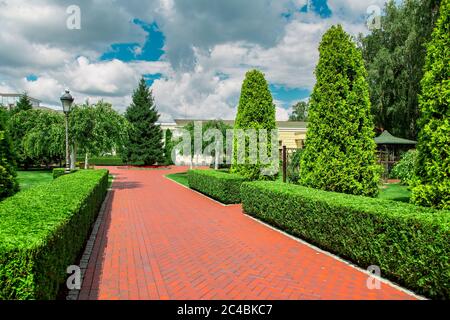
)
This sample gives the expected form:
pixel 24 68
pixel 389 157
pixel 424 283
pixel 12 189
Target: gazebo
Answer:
pixel 390 149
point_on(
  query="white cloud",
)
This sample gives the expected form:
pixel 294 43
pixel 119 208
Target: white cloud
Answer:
pixel 208 47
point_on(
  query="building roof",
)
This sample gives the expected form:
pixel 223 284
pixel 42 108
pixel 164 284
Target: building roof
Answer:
pixel 387 138
pixel 280 124
pixel 18 95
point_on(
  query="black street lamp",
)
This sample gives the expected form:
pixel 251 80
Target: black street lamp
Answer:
pixel 67 101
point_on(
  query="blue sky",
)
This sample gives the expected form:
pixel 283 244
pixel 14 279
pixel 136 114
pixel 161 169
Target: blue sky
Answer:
pixel 193 54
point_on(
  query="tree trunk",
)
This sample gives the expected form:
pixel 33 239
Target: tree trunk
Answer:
pixel 86 161
pixel 73 157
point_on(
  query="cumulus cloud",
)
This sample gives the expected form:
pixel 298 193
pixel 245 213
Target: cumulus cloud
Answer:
pixel 208 49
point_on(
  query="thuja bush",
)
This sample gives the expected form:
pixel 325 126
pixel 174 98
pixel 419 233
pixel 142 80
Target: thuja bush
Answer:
pixel 256 110
pixel 432 187
pixel 340 150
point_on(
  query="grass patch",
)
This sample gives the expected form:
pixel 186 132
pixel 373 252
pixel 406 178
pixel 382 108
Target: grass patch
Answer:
pixel 395 192
pixel 31 179
pixel 181 178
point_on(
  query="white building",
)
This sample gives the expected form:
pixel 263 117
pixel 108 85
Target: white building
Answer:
pixel 10 100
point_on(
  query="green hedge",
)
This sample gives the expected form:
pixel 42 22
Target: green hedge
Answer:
pixel 58 172
pixel 43 230
pixel 224 187
pixel 410 244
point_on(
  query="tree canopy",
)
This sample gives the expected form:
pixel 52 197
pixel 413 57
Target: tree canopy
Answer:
pixel 299 111
pixel 395 57
pixel 97 129
pixel 24 104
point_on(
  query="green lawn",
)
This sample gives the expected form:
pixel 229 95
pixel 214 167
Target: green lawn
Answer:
pixel 32 178
pixel 396 192
pixel 181 178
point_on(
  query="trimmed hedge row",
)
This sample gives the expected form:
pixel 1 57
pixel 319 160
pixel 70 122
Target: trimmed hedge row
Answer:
pixel 219 185
pixel 58 172
pixel 410 244
pixel 42 231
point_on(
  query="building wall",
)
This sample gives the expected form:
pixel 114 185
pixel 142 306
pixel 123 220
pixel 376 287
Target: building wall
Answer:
pixel 292 138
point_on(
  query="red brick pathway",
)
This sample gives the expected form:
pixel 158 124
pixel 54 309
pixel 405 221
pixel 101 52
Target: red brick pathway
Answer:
pixel 160 240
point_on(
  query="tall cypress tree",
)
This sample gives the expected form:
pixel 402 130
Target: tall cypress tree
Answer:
pixel 256 110
pixel 8 181
pixel 340 148
pixel 145 141
pixel 433 166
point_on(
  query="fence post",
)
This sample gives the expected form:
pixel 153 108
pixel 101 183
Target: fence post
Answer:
pixel 284 164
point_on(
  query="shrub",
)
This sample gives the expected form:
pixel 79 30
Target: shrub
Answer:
pixel 256 110
pixel 404 170
pixel 58 172
pixel 293 169
pixel 410 244
pixel 433 165
pixel 340 148
pixel 224 187
pixel 8 175
pixel 42 231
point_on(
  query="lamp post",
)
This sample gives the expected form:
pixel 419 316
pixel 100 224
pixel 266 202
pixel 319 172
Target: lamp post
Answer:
pixel 66 101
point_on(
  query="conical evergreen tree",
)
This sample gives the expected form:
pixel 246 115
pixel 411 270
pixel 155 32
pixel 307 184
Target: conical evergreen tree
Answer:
pixel 433 166
pixel 340 149
pixel 8 181
pixel 256 110
pixel 23 104
pixel 145 142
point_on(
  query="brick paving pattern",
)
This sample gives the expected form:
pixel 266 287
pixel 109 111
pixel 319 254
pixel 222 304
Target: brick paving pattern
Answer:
pixel 159 240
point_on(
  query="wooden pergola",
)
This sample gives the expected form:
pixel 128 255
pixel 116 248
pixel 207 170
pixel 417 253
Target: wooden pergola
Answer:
pixel 390 149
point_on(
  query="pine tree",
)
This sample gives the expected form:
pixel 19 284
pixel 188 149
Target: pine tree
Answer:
pixel 145 141
pixel 340 148
pixel 8 181
pixel 24 104
pixel 433 166
pixel 256 110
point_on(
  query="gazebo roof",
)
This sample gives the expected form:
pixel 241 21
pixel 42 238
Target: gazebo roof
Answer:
pixel 387 138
